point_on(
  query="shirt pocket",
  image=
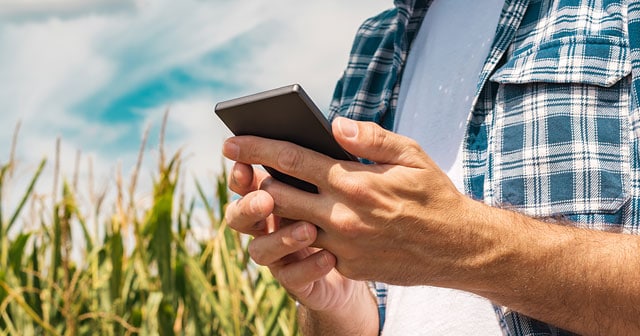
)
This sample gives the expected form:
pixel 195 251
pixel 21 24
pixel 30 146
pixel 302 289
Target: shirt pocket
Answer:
pixel 559 140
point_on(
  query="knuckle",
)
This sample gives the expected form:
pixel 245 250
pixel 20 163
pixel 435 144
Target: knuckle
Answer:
pixel 412 144
pixel 349 183
pixel 290 160
pixel 352 185
pixel 379 136
pixel 336 176
pixel 250 152
pixel 285 279
pixel 350 231
pixel 347 268
pixel 347 223
pixel 413 147
pixel 411 150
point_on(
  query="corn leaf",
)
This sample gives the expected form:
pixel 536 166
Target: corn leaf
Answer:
pixel 16 252
pixel 26 195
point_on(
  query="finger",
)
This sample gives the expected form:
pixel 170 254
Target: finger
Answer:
pixel 330 242
pixel 250 213
pixel 293 203
pixel 285 157
pixel 241 178
pixel 323 241
pixel 370 141
pixel 298 276
pixel 275 246
pixel 244 179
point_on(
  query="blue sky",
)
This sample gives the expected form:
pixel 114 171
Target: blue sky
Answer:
pixel 97 73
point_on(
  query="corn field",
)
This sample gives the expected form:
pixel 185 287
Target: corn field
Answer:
pixel 147 274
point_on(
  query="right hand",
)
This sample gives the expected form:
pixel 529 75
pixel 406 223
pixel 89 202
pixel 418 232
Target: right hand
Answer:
pixel 284 246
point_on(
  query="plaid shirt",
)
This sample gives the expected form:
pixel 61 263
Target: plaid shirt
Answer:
pixel 554 129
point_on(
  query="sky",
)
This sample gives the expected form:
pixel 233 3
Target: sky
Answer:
pixel 97 73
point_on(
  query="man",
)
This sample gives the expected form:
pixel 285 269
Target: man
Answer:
pixel 550 148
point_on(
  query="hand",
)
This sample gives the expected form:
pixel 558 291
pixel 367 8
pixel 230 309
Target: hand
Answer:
pixel 307 273
pixel 400 221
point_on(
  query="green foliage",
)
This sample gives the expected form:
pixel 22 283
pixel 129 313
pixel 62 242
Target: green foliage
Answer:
pixel 142 277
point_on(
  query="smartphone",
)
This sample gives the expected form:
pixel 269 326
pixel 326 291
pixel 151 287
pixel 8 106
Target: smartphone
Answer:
pixel 286 114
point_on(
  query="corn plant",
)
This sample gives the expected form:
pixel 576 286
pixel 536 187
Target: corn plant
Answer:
pixel 141 277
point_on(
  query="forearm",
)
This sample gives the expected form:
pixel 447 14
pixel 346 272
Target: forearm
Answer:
pixel 581 280
pixel 358 317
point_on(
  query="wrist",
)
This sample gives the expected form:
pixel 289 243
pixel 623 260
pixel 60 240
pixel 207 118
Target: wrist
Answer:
pixel 358 315
pixel 495 249
pixel 513 245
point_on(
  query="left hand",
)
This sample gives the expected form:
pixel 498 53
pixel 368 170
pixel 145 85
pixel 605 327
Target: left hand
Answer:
pixel 400 221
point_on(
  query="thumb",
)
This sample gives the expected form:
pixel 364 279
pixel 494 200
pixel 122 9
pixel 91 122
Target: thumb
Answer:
pixel 370 141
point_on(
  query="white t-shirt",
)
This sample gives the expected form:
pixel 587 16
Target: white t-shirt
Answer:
pixel 436 93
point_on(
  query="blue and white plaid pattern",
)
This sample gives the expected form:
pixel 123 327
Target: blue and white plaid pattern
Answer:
pixel 554 130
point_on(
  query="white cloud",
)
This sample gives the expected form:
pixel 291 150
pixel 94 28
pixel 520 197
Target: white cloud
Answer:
pixel 51 63
pixel 44 69
pixel 35 9
pixel 50 66
pixel 314 51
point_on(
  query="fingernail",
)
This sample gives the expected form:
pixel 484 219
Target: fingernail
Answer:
pixel 301 233
pixel 348 127
pixel 235 176
pixel 323 261
pixel 266 183
pixel 230 150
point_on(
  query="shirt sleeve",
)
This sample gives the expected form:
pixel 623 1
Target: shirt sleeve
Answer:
pixel 379 291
